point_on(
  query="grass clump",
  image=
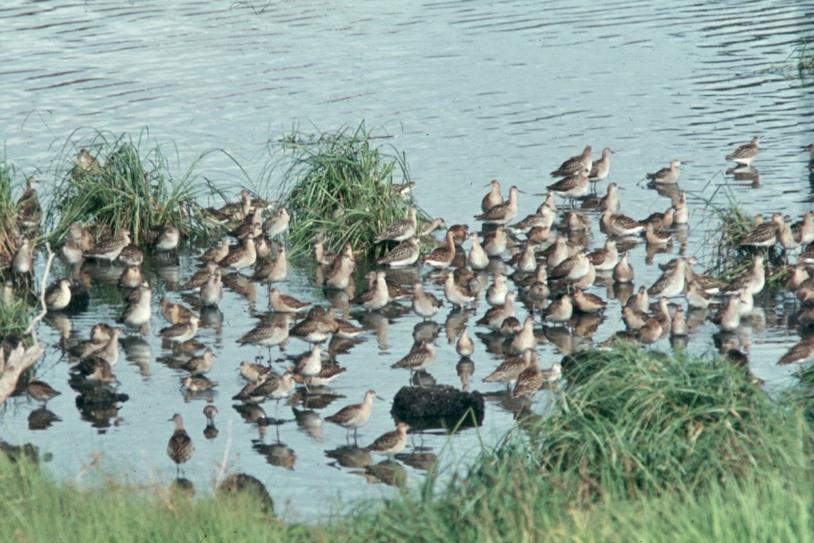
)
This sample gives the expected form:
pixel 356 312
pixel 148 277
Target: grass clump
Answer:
pixel 15 314
pixel 635 423
pixel 125 184
pixel 338 187
pixel 9 234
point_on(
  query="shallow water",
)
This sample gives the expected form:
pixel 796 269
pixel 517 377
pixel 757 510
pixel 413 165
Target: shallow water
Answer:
pixel 470 91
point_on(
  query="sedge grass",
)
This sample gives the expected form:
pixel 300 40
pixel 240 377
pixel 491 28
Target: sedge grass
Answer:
pixel 131 186
pixel 9 234
pixel 15 315
pixel 338 188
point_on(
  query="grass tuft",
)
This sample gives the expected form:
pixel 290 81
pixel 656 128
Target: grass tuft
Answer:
pixel 338 187
pixel 9 234
pixel 130 185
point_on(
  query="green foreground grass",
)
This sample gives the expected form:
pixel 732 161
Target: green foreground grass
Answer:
pixel 640 446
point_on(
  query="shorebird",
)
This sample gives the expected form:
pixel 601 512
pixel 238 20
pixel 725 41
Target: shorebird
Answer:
pixel 441 257
pixel 58 295
pixel 581 163
pixel 496 293
pixel 253 372
pixel 657 238
pixel 639 301
pixel 600 168
pixel 623 271
pixel 525 338
pixel 131 256
pixel 510 369
pixel 391 443
pixel 544 217
pixel 678 326
pixel 765 233
pixel 377 296
pixel 404 254
pixel 573 186
pixel 198 365
pixel 557 252
pixel 268 333
pixel 419 357
pixel 493 197
pixel 620 225
pixel 666 176
pixel 634 318
pixel 671 283
pixel 41 391
pixel 339 276
pixel 753 280
pixel 459 233
pixel 651 331
pixel 660 221
pixel 425 304
pixel 200 277
pixel 729 317
pixel 317 326
pixel 310 363
pixel 272 270
pixel 464 345
pixel 477 257
pixel 804 230
pixel 240 257
pixel 560 310
pixel 432 226
pixel 182 331
pixel 180 447
pixel 211 292
pixel 130 278
pixel 346 330
pixel 456 295
pixel 605 258
pixel 501 213
pixel 574 222
pixel 277 223
pixel 283 303
pixel 197 383
pixel 167 239
pixel 496 243
pixel 697 298
pixel 174 313
pixel 138 312
pixel 495 316
pixel 401 229
pixel 217 252
pixel 402 190
pixel 571 269
pixel 23 261
pixel 109 250
pixel 802 351
pixel 610 202
pixel 351 417
pixel 745 154
pixel 71 251
pixel 585 302
pixel 681 215
pixel 529 381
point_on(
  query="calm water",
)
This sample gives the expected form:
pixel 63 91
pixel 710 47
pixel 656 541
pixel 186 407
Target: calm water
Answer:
pixel 470 91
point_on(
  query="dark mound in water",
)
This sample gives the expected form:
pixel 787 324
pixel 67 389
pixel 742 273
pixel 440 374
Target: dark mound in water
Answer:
pixel 438 406
pixel 241 483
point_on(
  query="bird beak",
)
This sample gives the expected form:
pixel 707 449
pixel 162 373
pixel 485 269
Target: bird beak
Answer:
pixel 521 191
pixel 169 419
pixel 379 398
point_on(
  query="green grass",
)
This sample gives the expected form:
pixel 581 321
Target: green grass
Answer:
pixel 8 215
pixel 640 446
pixel 132 186
pixel 338 187
pixel 14 316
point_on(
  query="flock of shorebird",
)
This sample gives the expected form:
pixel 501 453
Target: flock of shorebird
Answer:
pixel 541 261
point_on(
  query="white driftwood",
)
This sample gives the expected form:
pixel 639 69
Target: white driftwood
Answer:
pixel 21 358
